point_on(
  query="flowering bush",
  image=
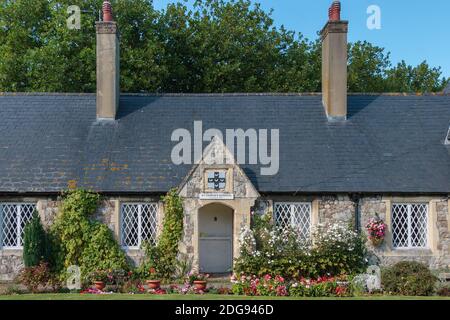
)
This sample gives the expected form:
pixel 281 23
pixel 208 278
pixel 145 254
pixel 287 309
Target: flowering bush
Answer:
pixel 157 291
pixel 333 249
pixel 153 274
pixel 112 278
pixel 278 286
pixel 254 286
pixel 337 250
pixel 132 287
pixel 320 287
pixel 376 229
pixel 38 276
pixel 187 288
pixel 98 275
pixel 266 249
pixel 195 276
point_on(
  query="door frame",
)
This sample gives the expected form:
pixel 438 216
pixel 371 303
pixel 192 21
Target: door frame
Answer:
pixel 231 237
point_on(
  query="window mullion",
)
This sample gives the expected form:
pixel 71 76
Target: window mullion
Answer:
pixel 1 226
pixel 409 226
pixel 18 221
pixel 292 216
pixel 139 224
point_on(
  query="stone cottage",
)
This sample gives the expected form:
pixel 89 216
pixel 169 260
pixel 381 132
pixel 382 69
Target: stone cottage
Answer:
pixel 335 156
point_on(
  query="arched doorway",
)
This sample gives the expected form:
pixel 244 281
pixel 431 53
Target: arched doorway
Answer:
pixel 215 226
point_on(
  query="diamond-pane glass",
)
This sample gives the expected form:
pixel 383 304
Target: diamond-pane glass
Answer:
pixel 400 226
pixel 13 219
pixel 139 222
pixel 419 215
pixel 294 215
pixel 409 225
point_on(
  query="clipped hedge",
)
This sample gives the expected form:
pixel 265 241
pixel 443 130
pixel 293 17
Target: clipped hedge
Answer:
pixel 408 278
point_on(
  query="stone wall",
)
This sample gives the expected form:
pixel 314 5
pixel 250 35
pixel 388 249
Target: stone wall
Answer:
pixel 342 208
pixel 325 209
pixel 336 208
pixel 11 261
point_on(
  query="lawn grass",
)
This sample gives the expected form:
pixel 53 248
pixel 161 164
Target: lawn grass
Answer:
pixel 190 297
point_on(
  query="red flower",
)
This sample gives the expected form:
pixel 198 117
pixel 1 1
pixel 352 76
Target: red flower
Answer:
pixel 267 277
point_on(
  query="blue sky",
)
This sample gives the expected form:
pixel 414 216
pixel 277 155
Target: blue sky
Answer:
pixel 411 30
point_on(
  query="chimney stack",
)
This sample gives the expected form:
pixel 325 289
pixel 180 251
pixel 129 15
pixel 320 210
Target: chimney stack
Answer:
pixel 334 64
pixel 108 65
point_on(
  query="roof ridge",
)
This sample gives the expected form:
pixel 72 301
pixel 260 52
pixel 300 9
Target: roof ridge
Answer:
pixel 46 94
pixel 237 94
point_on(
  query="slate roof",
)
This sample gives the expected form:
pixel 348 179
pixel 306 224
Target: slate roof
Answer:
pixel 392 144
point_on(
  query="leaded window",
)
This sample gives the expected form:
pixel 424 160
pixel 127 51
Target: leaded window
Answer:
pixel 409 225
pixel 295 215
pixel 13 218
pixel 139 224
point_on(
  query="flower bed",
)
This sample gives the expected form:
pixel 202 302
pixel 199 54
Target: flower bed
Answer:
pixel 278 286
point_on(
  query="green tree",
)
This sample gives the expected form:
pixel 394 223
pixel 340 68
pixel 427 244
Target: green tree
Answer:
pixel 367 66
pixel 422 78
pixel 35 244
pixel 218 46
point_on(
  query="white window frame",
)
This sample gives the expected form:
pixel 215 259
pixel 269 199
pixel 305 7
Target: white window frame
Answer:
pixel 19 231
pixel 139 230
pixel 292 208
pixel 409 224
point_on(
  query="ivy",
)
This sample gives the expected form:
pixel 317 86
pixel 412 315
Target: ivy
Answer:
pixel 163 256
pixel 81 241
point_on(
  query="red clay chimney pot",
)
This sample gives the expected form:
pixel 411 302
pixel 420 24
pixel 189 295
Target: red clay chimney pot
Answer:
pixel 107 11
pixel 335 10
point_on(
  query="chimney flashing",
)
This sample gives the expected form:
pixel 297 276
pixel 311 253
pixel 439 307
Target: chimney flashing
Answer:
pixel 340 26
pixel 108 27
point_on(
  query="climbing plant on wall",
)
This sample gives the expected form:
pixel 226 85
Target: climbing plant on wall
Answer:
pixel 82 241
pixel 163 256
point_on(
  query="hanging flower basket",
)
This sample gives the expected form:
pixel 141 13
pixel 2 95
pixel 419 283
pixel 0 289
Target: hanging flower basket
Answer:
pixel 376 228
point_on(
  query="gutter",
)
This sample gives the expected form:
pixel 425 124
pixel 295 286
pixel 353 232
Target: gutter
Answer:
pixel 356 198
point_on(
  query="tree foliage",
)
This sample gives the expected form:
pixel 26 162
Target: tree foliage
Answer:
pixel 219 46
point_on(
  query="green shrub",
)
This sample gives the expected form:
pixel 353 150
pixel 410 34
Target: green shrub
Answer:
pixel 37 277
pixel 444 291
pixel 36 248
pixel 408 278
pixel 80 241
pixel 102 252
